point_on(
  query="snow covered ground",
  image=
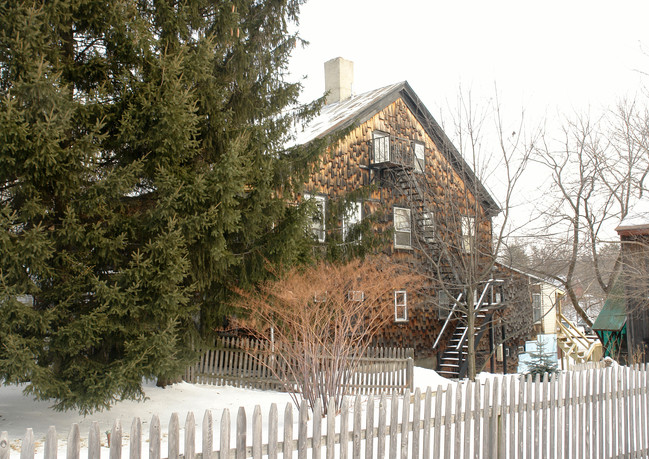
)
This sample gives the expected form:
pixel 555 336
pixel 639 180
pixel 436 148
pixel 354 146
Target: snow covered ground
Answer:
pixel 18 412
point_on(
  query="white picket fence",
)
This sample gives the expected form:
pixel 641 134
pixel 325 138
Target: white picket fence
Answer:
pixel 598 413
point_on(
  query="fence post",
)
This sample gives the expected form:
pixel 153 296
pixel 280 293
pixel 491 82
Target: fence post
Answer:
pixel 4 445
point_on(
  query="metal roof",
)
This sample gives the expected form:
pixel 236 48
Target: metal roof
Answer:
pixel 612 317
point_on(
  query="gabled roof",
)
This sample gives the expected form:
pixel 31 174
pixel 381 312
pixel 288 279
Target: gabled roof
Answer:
pixel 358 109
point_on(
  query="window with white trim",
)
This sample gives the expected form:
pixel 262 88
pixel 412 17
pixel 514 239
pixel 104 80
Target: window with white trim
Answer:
pixel 402 228
pixel 420 161
pixel 468 233
pixel 356 295
pixel 381 146
pixel 351 217
pixel 318 218
pixel 428 226
pixel 400 306
pixel 537 307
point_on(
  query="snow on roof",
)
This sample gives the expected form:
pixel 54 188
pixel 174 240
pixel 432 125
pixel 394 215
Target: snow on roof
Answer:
pixel 637 218
pixel 334 116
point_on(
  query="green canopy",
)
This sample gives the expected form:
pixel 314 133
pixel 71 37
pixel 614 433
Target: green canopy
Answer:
pixel 613 314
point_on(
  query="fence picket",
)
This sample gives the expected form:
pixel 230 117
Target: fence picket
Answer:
pixel 94 441
pixel 416 426
pixel 437 420
pixel 173 446
pixel 224 450
pixel 4 445
pixel 135 441
pixel 468 416
pixel 190 436
pixel 448 412
pixel 116 440
pixel 207 436
pixel 27 446
pixel 317 430
pixel 288 431
pixel 273 430
pixel 302 432
pixel 154 438
pixel 394 420
pixel 427 413
pixel 380 446
pixel 51 443
pixel 73 449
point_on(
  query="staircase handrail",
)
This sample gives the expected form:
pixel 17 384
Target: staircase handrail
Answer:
pixel 478 305
pixel 448 319
pixel 463 367
pixel 577 338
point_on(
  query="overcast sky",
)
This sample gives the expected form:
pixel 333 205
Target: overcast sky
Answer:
pixel 544 56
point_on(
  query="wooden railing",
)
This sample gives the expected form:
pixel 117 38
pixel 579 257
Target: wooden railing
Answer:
pixel 242 362
pixel 589 414
pixel 575 344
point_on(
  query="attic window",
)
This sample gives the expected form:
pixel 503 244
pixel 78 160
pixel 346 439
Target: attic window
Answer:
pixel 419 157
pixel 402 228
pixel 381 147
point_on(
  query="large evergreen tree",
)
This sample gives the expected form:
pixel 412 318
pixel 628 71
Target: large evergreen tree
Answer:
pixel 141 174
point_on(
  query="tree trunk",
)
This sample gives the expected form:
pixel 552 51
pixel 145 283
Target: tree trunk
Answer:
pixel 470 338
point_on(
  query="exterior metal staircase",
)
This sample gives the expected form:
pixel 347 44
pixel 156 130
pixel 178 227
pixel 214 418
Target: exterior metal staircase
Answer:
pixel 453 361
pixel 575 345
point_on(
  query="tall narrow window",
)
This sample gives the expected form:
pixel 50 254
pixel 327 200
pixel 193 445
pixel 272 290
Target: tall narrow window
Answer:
pixel 420 162
pixel 400 306
pixel 537 307
pixel 428 226
pixel 443 305
pixel 468 233
pixel 402 228
pixel 351 217
pixel 381 146
pixel 318 218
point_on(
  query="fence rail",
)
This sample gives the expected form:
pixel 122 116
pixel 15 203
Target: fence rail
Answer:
pixel 246 363
pixel 594 413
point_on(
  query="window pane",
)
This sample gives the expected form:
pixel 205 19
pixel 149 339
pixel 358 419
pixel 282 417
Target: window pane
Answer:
pixel 352 217
pixel 381 143
pixel 419 157
pixel 402 227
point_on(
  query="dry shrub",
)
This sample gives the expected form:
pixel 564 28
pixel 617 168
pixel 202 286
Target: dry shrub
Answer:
pixel 319 321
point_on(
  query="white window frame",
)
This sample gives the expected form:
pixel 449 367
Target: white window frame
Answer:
pixel 352 216
pixel 400 306
pixel 537 307
pixel 420 157
pixel 468 233
pixel 400 229
pixel 381 146
pixel 318 227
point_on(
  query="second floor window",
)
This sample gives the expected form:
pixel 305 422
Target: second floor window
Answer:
pixel 381 146
pixel 402 228
pixel 420 161
pixel 468 233
pixel 351 217
pixel 318 217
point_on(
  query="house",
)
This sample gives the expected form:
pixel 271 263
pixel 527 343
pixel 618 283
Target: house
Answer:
pixel 634 236
pixel 421 193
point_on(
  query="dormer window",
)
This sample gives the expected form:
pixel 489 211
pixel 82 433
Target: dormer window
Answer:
pixel 381 146
pixel 420 162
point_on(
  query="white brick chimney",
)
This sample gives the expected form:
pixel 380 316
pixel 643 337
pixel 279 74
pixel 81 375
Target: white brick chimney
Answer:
pixel 339 76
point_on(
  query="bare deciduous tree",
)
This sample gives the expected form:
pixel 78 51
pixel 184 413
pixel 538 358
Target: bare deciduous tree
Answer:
pixel 321 320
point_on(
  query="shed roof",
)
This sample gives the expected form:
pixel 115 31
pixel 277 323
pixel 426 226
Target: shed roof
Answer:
pixel 637 220
pixel 612 317
pixel 360 108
